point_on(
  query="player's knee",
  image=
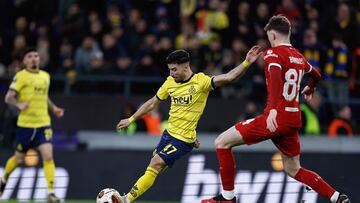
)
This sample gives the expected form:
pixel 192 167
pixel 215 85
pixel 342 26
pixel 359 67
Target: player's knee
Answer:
pixel 157 163
pixel 48 157
pixel 291 170
pixel 220 142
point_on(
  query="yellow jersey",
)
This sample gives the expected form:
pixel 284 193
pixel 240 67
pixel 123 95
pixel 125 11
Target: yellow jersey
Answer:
pixel 34 88
pixel 188 100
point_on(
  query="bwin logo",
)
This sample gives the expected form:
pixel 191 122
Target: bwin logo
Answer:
pixel 182 100
pixel 250 186
pixel 25 184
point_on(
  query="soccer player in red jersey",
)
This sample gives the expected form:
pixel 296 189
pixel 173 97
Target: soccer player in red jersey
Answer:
pixel 284 68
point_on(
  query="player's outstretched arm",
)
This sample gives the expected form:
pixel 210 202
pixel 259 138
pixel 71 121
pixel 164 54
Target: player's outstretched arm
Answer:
pixel 239 70
pixel 148 106
pixel 59 112
pixel 10 98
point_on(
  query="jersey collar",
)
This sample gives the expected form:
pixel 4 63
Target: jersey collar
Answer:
pixel 33 72
pixel 185 81
pixel 285 44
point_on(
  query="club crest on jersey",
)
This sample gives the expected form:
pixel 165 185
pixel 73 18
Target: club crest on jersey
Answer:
pixel 192 90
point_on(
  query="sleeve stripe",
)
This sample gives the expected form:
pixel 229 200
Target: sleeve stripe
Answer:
pixel 273 64
pixel 311 67
pixel 213 83
pixel 159 98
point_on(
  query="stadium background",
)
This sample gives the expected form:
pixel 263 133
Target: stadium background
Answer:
pixel 107 56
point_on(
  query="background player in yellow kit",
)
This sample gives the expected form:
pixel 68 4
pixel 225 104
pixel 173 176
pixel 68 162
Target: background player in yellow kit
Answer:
pixel 188 92
pixel 29 93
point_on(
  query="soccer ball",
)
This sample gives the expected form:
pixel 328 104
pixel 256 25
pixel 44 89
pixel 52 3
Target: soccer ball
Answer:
pixel 108 195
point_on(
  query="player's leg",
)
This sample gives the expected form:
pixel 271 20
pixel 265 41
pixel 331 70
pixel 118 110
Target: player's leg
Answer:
pixel 156 165
pixel 166 153
pixel 43 143
pixel 11 164
pixel 223 145
pixel 293 169
pixel 23 139
pixel 46 151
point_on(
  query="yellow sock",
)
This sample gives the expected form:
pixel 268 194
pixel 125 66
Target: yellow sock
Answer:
pixel 143 184
pixel 11 164
pixel 49 171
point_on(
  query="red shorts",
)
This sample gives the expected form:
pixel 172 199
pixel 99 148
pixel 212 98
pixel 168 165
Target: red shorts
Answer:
pixel 285 138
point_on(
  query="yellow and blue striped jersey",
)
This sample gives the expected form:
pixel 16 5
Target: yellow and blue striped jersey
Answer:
pixel 34 88
pixel 188 100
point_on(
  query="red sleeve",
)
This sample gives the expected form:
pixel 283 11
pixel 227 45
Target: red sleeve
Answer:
pixel 273 66
pixel 308 67
pixel 314 78
pixel 274 86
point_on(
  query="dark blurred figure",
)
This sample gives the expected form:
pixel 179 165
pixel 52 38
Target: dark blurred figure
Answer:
pixel 289 9
pixel 8 127
pixel 345 26
pixel 110 50
pixel 261 18
pixel 341 125
pixel 214 52
pixel 243 24
pixel 19 46
pixel 123 66
pixel 313 50
pixel 84 54
pixel 164 47
pixel 336 72
pixel 73 25
pixel 146 66
pixel 250 111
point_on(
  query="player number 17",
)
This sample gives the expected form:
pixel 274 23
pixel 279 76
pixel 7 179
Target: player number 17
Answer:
pixel 170 149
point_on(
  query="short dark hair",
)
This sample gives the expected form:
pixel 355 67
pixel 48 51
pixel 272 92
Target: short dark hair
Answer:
pixel 28 50
pixel 178 57
pixel 278 23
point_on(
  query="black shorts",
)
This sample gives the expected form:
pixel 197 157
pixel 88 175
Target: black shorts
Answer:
pixel 27 138
pixel 171 149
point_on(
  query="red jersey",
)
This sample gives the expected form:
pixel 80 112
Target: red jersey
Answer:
pixel 284 69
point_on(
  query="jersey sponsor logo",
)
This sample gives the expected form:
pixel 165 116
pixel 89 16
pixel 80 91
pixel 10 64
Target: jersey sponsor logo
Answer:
pixel 40 90
pixel 27 184
pixel 296 60
pixel 250 186
pixel 182 100
pixel 270 53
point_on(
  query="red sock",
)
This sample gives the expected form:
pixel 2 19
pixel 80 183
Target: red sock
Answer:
pixel 227 168
pixel 313 180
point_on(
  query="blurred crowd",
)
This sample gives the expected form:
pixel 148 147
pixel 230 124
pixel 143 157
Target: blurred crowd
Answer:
pixel 133 37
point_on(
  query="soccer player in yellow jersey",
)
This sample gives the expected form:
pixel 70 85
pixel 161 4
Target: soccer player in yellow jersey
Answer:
pixel 29 93
pixel 188 93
